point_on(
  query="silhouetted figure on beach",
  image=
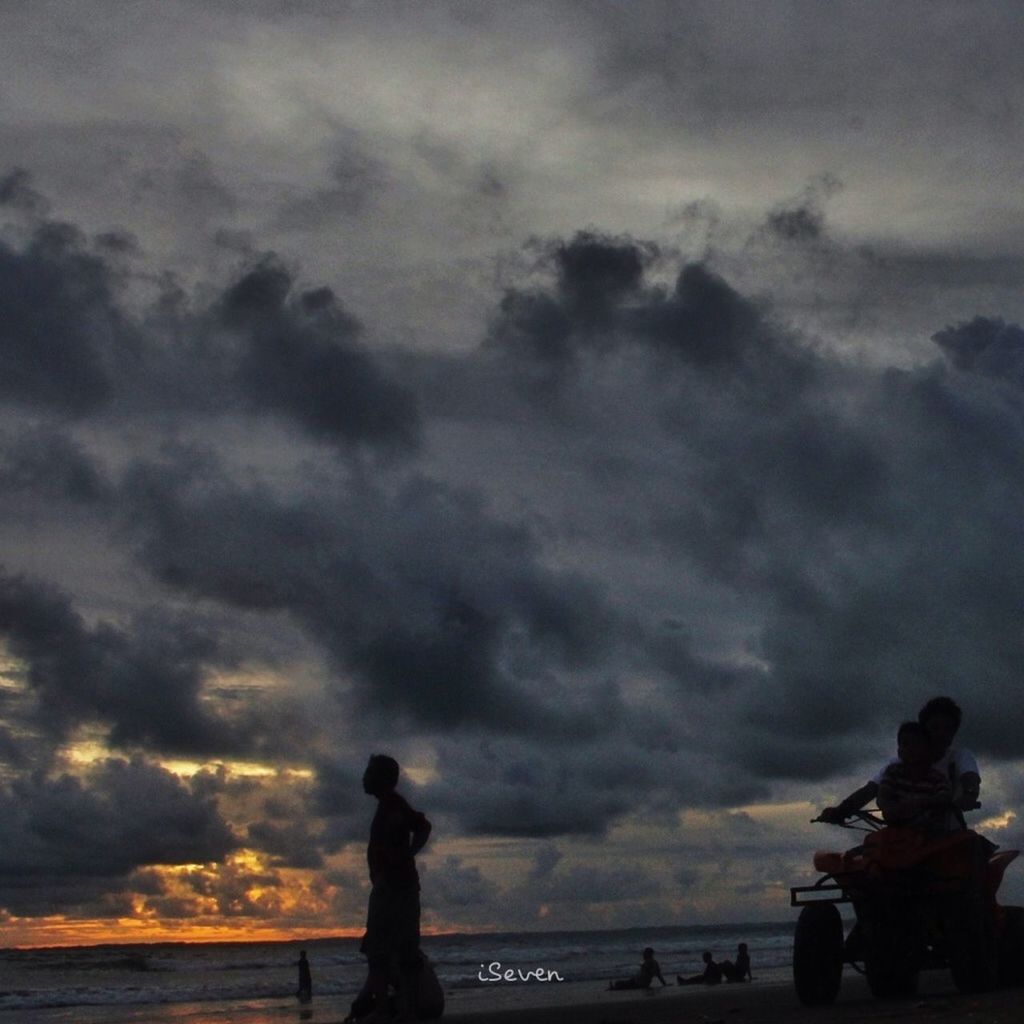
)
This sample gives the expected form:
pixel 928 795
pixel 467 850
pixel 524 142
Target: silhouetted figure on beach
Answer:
pixel 649 970
pixel 941 718
pixel 740 970
pixel 429 999
pixel 392 937
pixel 712 974
pixel 305 992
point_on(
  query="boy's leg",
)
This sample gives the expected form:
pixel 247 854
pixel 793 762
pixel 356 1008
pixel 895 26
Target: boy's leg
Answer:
pixel 407 936
pixel 375 946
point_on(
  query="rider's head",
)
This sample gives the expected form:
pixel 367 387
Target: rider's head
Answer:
pixel 941 719
pixel 913 744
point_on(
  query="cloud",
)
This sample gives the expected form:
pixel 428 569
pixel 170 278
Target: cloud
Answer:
pixel 291 845
pixel 70 346
pixel 600 302
pixel 860 518
pixel 300 357
pixel 68 840
pixel 987 346
pixel 144 682
pixel 63 334
pixel 435 612
pixel 50 464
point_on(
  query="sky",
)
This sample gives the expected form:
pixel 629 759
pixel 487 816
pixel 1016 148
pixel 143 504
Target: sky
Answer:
pixel 614 411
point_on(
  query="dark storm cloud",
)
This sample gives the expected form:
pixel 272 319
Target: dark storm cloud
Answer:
pixel 532 789
pixel 866 520
pixel 599 302
pixel 69 840
pixel 143 681
pixel 987 346
pixel 67 344
pixel 62 335
pixel 52 465
pixel 803 220
pixel 288 846
pixel 16 191
pixel 301 358
pixel 437 612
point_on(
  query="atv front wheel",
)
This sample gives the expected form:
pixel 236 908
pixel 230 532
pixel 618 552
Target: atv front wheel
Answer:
pixel 818 954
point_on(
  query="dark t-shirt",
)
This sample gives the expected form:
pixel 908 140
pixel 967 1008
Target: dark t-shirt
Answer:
pixel 388 855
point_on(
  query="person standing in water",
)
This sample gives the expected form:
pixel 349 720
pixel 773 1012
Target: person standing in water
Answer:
pixel 305 992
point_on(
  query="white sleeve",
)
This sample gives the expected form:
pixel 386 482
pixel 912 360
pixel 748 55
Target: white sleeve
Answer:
pixel 965 762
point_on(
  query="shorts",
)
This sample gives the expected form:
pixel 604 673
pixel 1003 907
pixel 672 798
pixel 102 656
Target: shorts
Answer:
pixel 392 922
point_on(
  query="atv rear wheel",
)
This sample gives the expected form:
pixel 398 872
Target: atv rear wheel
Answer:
pixel 1011 948
pixel 818 954
pixel 971 945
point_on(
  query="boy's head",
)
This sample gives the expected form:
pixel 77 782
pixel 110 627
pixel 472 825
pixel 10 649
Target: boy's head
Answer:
pixel 941 718
pixel 707 957
pixel 381 775
pixel 912 744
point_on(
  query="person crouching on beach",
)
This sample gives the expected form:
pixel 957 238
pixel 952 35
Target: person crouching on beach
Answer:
pixel 649 970
pixel 397 834
pixel 712 974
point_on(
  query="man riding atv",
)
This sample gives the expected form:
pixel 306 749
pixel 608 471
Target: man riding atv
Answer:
pixel 940 718
pixel 922 885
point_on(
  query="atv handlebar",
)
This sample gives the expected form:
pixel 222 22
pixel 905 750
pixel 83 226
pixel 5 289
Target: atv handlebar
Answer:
pixel 872 817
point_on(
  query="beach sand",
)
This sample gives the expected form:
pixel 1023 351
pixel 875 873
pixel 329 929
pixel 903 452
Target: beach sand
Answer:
pixel 773 1004
pixel 757 1003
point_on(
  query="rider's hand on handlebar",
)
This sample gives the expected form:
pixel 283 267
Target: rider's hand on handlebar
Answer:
pixel 832 816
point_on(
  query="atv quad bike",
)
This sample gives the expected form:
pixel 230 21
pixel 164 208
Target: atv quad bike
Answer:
pixel 920 902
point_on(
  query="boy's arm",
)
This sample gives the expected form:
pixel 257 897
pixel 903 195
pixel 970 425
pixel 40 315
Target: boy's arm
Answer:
pixel 420 834
pixel 970 789
pixel 889 802
pixel 854 802
pixel 892 805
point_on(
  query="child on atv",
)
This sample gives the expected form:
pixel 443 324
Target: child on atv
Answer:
pixel 912 791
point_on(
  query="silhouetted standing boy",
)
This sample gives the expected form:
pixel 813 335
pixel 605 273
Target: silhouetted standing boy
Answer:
pixel 397 834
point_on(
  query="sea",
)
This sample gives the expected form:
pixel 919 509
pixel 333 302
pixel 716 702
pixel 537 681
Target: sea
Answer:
pixel 255 982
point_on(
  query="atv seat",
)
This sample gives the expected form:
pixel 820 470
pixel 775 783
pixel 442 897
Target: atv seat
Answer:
pixel 997 865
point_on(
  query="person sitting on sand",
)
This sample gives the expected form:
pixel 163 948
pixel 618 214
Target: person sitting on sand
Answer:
pixel 649 970
pixel 912 791
pixel 712 974
pixel 740 970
